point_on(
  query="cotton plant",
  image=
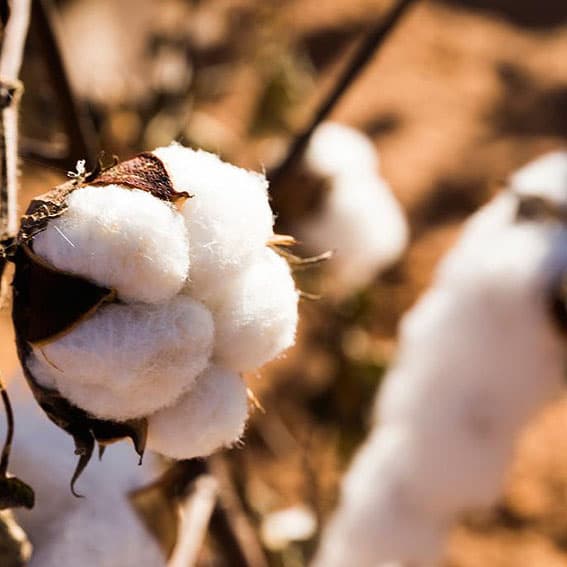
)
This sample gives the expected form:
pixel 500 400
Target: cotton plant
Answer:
pixel 142 292
pixel 359 218
pixel 479 356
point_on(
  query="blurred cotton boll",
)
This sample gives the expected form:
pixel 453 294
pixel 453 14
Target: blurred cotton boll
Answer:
pixel 126 361
pixel 228 217
pixel 210 416
pixel 479 356
pixel 359 218
pixel 100 529
pixel 256 316
pixel 120 238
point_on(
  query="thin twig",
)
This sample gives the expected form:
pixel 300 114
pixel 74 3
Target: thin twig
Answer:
pixel 78 126
pixel 13 44
pixel 197 514
pixel 364 53
pixel 9 430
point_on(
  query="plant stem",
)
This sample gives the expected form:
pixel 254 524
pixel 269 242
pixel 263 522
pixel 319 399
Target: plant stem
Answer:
pixel 9 431
pixel 373 41
pixel 79 128
pixel 13 43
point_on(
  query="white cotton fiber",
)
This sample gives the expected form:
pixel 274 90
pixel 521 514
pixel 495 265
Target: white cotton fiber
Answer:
pixel 126 361
pixel 228 218
pixel 210 416
pixel 120 238
pixel 256 315
pixel 479 356
pixel 100 529
pixel 377 521
pixel 336 149
pixel 359 219
pixel 545 176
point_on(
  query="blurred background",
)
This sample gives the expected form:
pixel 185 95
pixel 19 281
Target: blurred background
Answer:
pixel 462 93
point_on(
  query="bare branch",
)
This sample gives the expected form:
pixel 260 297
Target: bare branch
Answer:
pixel 10 91
pixel 374 40
pixel 9 430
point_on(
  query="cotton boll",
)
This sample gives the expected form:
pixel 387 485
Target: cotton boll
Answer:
pixel 66 530
pixel 336 149
pixel 377 521
pixel 361 221
pixel 228 218
pixel 126 361
pixel 120 238
pixel 256 316
pixel 210 416
pixel 544 177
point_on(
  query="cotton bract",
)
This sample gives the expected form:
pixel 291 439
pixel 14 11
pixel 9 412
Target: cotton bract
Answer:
pixel 211 415
pixel 359 219
pixel 479 355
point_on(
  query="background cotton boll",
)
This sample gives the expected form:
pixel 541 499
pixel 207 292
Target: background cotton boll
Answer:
pixel 377 521
pixel 65 530
pixel 120 238
pixel 361 221
pixel 256 318
pixel 229 217
pixel 210 416
pixel 545 177
pixel 336 149
pixel 129 360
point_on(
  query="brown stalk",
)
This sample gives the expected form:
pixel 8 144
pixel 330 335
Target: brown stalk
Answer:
pixel 11 88
pixel 369 46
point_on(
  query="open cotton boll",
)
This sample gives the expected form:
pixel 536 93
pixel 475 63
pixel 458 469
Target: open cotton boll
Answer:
pixel 126 361
pixel 545 177
pixel 361 221
pixel 119 238
pixel 210 416
pixel 377 522
pixel 479 355
pixel 228 217
pixel 65 530
pixel 256 315
pixel 336 149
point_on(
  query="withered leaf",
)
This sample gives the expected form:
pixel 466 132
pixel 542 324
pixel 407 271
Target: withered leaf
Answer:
pixel 145 172
pixel 15 493
pixel 158 504
pixel 48 302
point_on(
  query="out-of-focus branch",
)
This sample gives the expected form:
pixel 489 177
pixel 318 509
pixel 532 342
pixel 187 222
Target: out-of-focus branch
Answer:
pixel 373 41
pixel 14 38
pixel 4 459
pixel 78 126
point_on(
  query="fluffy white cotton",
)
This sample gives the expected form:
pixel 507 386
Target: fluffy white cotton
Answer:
pixel 377 521
pixel 120 238
pixel 256 314
pixel 126 361
pixel 545 176
pixel 100 529
pixel 210 416
pixel 359 220
pixel 336 149
pixel 228 218
pixel 479 355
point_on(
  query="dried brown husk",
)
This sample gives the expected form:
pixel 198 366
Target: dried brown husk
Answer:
pixel 48 303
